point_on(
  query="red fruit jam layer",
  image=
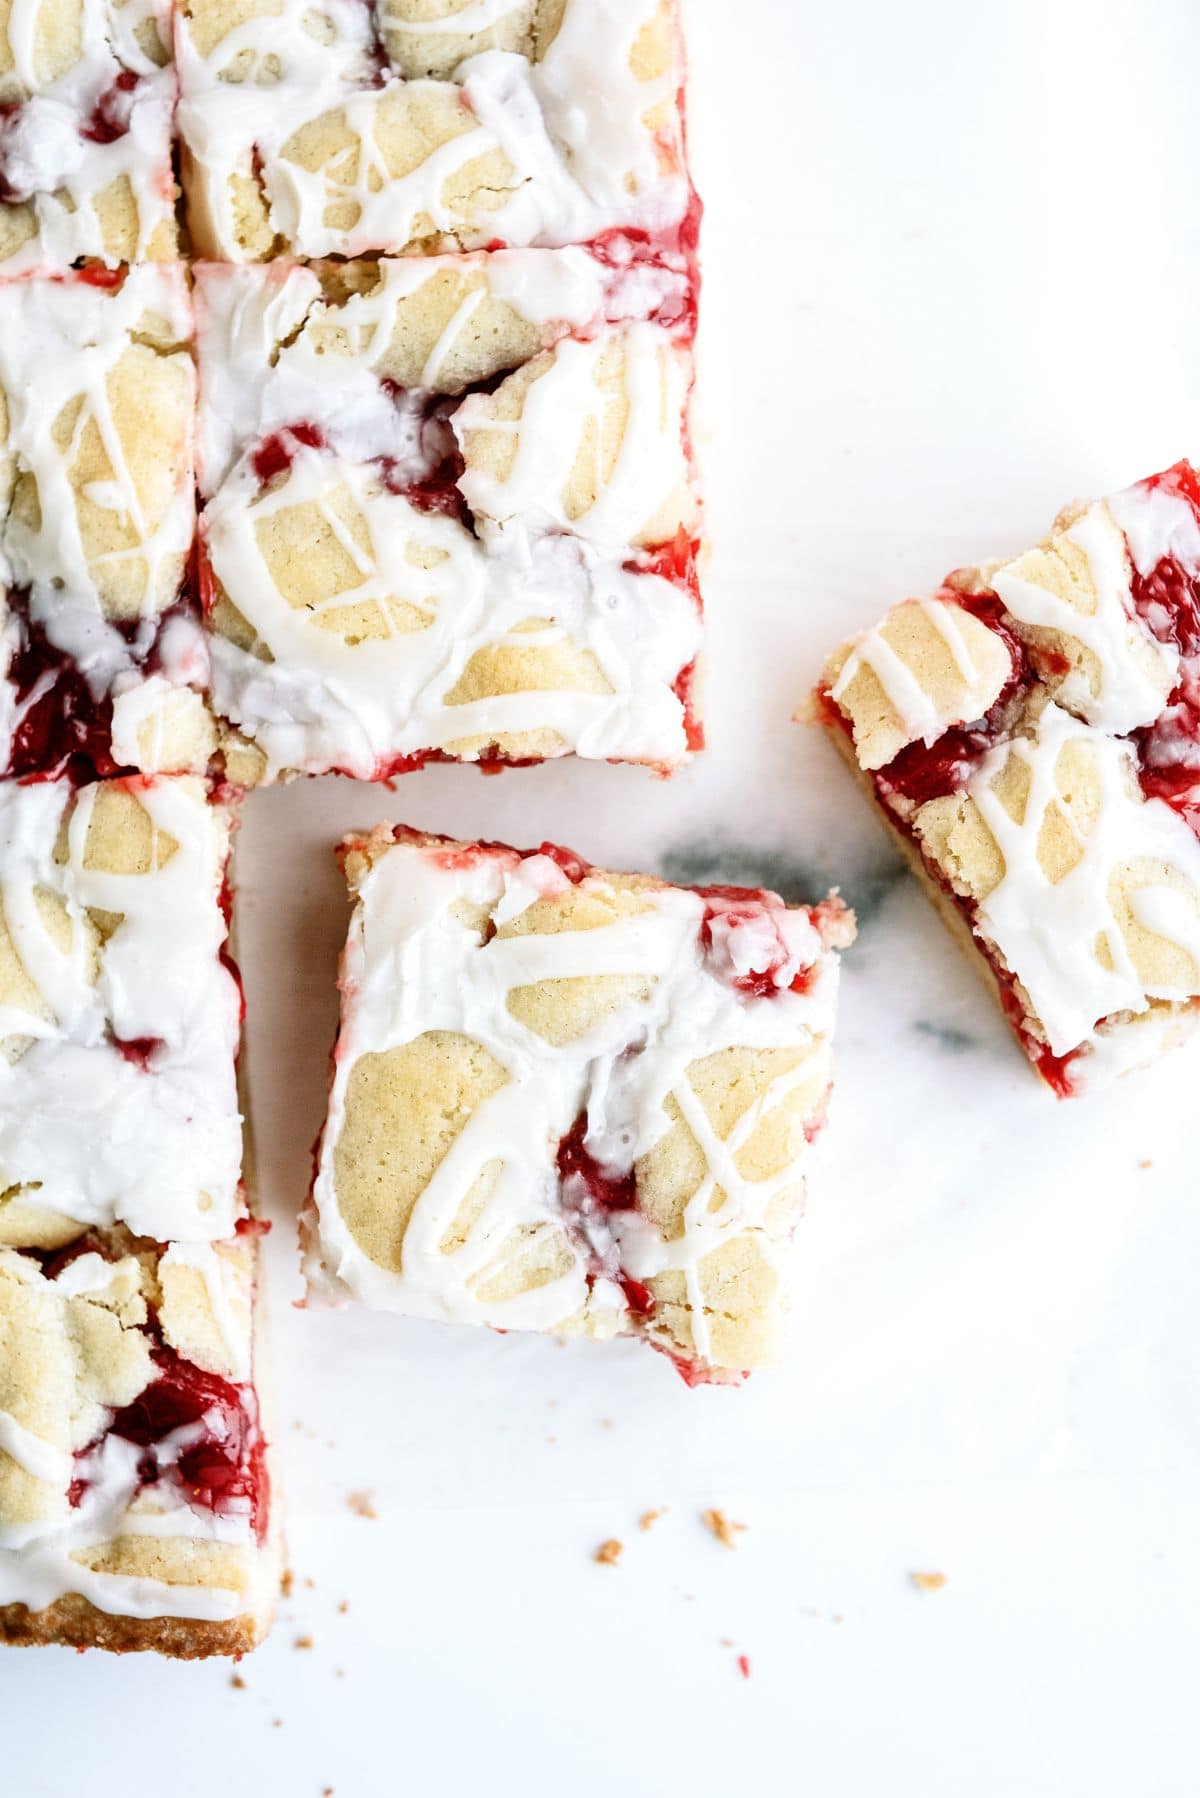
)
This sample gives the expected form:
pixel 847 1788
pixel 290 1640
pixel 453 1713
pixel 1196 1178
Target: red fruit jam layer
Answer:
pixel 62 725
pixel 111 113
pixel 1167 599
pixel 929 771
pixel 612 1192
pixel 224 1470
pixel 737 907
pixel 138 1051
pixel 276 453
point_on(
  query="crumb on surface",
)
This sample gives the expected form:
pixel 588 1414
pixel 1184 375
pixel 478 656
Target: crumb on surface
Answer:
pixel 277 1723
pixel 607 1423
pixel 310 1583
pixel 288 1583
pixel 610 1552
pixel 648 1519
pixel 344 1606
pixel 723 1528
pixel 304 1642
pixel 362 1504
pixel 928 1582
pixel 743 1665
pixel 1146 1163
pixel 237 1682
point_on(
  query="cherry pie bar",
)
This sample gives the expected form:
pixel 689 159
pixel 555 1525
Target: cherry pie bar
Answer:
pixel 448 510
pixel 572 1101
pixel 329 128
pixel 134 1492
pixel 1032 733
pixel 102 657
pixel 87 99
pixel 119 1016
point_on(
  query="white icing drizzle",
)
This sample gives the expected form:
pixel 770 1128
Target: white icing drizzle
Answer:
pixel 1049 932
pixel 49 161
pixel 915 706
pixel 411 967
pixel 39 1458
pixel 321 701
pixel 1135 671
pixel 85 1131
pixel 60 341
pixel 324 702
pixel 573 128
pixel 227 1292
pixel 39 1560
pixel 564 403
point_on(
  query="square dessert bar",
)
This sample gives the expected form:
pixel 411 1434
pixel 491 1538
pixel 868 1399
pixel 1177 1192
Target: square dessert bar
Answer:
pixel 87 97
pixel 102 656
pixel 448 511
pixel 1032 733
pixel 330 128
pixel 572 1101
pixel 119 1015
pixel 135 1504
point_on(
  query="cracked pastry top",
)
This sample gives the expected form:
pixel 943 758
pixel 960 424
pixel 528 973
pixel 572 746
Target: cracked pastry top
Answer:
pixel 325 127
pixel 572 1101
pixel 134 1492
pixel 119 1018
pixel 102 657
pixel 87 99
pixel 449 510
pixel 1033 734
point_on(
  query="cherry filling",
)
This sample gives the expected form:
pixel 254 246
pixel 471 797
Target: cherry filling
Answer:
pixel 1167 599
pixel 929 771
pixel 224 1469
pixel 60 720
pixel 611 1192
pixel 276 453
pixel 110 115
pixel 589 1192
pixel 138 1051
pixel 730 909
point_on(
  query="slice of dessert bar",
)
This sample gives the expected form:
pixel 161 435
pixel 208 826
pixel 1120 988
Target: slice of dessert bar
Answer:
pixel 336 129
pixel 449 510
pixel 87 98
pixel 572 1101
pixel 102 658
pixel 135 1507
pixel 1032 734
pixel 119 1016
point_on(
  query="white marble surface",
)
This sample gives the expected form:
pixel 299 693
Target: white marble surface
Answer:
pixel 953 263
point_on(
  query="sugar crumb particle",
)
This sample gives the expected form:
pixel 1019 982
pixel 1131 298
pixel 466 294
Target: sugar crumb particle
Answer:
pixel 723 1528
pixel 928 1582
pixel 610 1552
pixel 648 1519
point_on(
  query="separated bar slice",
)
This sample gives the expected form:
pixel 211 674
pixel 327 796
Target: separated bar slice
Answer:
pixel 87 101
pixel 135 1496
pixel 449 511
pixel 336 129
pixel 1032 734
pixel 119 1014
pixel 572 1101
pixel 102 658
